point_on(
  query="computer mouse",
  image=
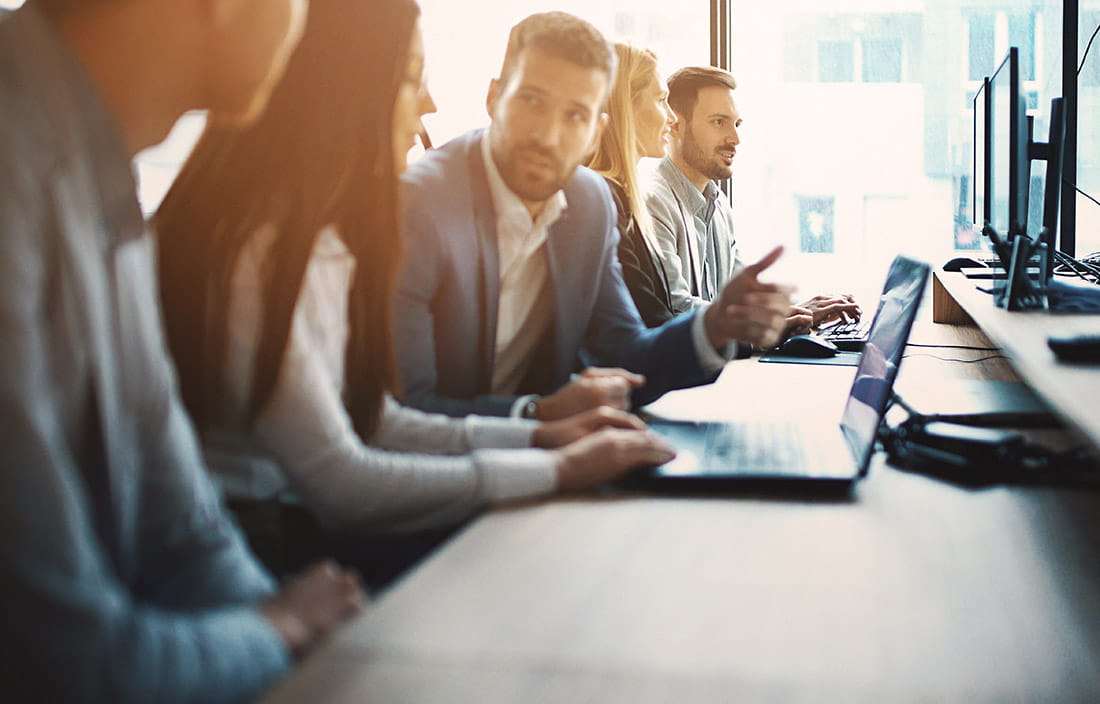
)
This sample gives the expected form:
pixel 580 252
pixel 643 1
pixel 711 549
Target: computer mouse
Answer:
pixel 808 346
pixel 960 263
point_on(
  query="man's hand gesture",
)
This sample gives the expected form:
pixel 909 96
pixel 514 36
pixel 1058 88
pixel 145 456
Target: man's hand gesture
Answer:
pixel 749 311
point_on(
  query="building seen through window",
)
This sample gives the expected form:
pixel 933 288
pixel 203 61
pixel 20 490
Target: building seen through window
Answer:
pixel 858 130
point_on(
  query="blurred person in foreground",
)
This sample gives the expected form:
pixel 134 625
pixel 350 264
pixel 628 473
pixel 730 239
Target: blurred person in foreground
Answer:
pixel 122 578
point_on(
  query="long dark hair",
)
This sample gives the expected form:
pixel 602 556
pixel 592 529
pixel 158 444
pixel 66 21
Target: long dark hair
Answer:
pixel 320 155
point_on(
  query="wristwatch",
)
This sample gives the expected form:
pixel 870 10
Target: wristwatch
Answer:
pixel 531 409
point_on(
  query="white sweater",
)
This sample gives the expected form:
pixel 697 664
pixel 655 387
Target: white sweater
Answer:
pixel 421 469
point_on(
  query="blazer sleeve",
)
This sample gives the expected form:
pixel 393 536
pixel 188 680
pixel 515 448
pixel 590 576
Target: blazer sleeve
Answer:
pixel 616 335
pixel 667 231
pixel 76 629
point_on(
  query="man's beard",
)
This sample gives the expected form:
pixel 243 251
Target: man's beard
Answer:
pixel 526 185
pixel 702 162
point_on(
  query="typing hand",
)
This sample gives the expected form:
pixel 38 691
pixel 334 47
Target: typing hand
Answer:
pixel 799 322
pixel 749 311
pixel 309 605
pixel 827 308
pixel 608 454
pixel 557 433
pixel 590 389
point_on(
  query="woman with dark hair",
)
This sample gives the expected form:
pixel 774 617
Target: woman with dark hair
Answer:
pixel 639 120
pixel 279 248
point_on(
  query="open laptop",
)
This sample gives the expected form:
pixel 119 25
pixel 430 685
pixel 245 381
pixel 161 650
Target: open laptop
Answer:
pixel 802 453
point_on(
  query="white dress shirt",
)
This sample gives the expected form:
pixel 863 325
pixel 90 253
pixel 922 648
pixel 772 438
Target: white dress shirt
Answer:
pixel 303 440
pixel 526 305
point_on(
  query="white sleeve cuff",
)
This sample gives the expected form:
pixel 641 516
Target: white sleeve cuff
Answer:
pixel 710 359
pixel 514 474
pixel 487 431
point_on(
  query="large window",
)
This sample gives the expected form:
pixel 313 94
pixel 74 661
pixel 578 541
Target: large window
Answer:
pixel 1088 135
pixel 857 141
pixel 857 134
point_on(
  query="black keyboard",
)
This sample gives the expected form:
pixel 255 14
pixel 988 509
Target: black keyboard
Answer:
pixel 848 336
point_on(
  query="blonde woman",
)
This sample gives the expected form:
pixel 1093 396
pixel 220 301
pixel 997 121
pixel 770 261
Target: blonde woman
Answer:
pixel 639 126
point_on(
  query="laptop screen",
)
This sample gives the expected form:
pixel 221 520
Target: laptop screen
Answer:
pixel 878 365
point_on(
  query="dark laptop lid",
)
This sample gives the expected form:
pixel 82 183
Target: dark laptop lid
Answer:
pixel 878 365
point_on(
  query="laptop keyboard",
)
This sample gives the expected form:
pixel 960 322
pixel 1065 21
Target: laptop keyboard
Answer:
pixel 772 447
pixel 848 336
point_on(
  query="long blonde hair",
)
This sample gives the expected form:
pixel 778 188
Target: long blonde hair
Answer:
pixel 617 154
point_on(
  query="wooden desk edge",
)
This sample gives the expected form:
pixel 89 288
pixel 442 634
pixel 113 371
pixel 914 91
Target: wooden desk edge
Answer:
pixel 945 309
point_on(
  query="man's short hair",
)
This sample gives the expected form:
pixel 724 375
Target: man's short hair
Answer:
pixel 685 84
pixel 561 35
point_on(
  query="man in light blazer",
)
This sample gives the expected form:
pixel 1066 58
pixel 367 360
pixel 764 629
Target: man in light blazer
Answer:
pixel 512 283
pixel 121 577
pixel 692 219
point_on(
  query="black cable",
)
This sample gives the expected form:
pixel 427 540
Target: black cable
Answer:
pixel 1087 47
pixel 1064 263
pixel 951 359
pixel 1076 266
pixel 959 347
pixel 1073 185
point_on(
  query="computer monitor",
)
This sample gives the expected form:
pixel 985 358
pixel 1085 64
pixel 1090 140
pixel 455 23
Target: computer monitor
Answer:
pixel 1008 150
pixel 1043 224
pixel 981 172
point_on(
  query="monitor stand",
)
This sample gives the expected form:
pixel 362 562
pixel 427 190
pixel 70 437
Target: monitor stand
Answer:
pixel 1019 291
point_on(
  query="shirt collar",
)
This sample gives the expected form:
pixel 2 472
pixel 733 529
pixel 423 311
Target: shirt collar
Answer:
pixel 100 134
pixel 508 205
pixel 698 203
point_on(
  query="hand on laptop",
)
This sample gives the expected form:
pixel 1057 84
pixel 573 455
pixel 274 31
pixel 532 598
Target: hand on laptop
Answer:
pixel 309 605
pixel 558 433
pixel 827 308
pixel 594 387
pixel 749 311
pixel 608 454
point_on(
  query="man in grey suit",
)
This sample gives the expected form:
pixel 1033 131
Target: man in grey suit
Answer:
pixel 692 219
pixel 121 577
pixel 512 282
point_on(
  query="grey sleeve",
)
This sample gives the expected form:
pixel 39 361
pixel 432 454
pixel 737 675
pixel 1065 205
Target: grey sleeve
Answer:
pixel 76 627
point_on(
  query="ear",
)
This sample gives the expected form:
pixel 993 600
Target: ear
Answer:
pixel 493 96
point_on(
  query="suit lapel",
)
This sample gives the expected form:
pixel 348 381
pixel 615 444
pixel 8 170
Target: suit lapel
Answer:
pixel 692 245
pixel 485 224
pixel 562 264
